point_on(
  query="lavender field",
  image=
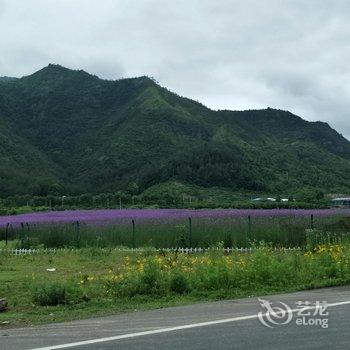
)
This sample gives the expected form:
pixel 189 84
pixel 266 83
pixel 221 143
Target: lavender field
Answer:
pixel 169 227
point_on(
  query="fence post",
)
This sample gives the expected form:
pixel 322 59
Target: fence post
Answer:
pixel 312 221
pixel 249 224
pixel 133 233
pixel 78 233
pixel 22 235
pixel 6 233
pixel 190 231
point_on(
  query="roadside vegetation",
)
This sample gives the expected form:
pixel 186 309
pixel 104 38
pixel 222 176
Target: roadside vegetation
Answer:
pixel 69 284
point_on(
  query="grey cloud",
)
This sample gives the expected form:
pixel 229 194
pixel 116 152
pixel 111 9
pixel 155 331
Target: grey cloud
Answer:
pixel 235 54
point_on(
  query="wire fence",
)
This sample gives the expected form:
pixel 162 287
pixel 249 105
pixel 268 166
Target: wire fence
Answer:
pixel 195 232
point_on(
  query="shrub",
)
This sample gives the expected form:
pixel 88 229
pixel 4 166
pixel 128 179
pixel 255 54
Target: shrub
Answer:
pixel 228 243
pixel 51 294
pixel 179 283
pixel 148 280
pixel 123 287
pixel 151 281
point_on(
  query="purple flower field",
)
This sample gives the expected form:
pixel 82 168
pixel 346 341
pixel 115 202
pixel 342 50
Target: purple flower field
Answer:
pixel 115 216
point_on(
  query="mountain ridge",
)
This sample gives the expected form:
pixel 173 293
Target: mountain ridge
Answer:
pixel 87 134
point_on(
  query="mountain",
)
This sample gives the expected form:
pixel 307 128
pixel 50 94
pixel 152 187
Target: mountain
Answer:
pixel 7 79
pixel 66 131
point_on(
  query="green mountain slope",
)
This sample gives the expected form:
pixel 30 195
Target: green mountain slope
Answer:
pixel 65 131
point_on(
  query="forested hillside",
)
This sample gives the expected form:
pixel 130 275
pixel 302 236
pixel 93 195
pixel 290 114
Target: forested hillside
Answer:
pixel 69 132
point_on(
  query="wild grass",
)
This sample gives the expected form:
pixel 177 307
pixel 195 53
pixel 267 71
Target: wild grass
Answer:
pixel 90 282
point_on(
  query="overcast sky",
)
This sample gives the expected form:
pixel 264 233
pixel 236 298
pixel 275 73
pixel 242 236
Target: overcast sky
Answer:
pixel 228 54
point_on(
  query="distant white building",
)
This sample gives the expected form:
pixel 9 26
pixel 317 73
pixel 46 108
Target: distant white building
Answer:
pixel 341 202
pixel 264 199
pixel 269 199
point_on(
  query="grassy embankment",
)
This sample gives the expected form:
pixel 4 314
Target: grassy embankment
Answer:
pixel 92 282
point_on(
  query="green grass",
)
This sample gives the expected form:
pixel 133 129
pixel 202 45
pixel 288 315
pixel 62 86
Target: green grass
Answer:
pixel 92 282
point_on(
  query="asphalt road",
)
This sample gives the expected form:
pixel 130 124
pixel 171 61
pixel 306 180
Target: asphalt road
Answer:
pixel 217 325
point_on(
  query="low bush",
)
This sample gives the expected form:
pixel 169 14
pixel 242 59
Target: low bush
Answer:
pixel 179 283
pixel 52 294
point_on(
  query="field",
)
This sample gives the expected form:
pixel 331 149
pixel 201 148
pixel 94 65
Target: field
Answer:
pixel 91 282
pixel 164 228
pixel 95 273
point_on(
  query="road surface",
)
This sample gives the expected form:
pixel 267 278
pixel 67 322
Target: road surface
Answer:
pixel 216 325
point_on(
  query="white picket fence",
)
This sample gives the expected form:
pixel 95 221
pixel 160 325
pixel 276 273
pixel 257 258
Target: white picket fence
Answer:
pixel 28 251
pixel 133 250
